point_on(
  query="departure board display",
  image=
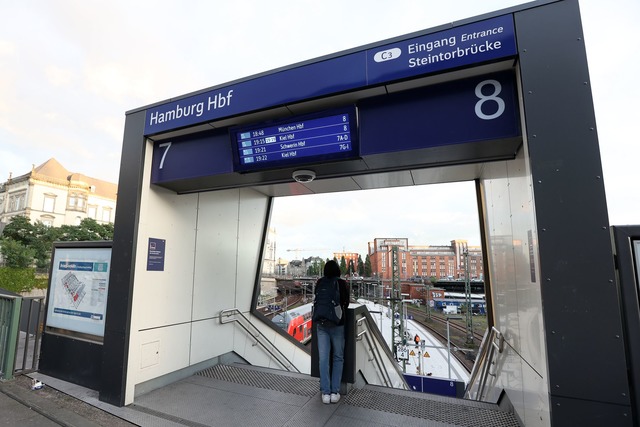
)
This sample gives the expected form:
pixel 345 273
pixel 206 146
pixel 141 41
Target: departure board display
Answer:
pixel 301 140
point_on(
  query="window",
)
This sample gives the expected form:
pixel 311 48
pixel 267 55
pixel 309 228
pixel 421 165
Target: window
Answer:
pixel 106 214
pixel 76 201
pixel 49 203
pixel 17 201
pixel 47 220
pixel 92 211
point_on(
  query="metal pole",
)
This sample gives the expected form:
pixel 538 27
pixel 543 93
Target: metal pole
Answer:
pixel 428 302
pixel 467 290
pixel 448 348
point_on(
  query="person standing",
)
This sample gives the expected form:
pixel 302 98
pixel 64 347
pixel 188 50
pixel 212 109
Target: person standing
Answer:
pixel 330 330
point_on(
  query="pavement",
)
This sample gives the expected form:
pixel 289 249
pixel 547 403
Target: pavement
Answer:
pixel 22 406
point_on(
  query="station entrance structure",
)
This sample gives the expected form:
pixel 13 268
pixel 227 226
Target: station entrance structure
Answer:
pixel 502 99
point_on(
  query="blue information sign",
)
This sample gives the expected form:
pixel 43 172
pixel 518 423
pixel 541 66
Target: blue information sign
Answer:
pixel 457 47
pixel 481 108
pixel 302 140
pixel 294 141
pixel 155 254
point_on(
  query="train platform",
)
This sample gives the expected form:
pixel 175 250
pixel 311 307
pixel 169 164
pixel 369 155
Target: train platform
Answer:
pixel 430 358
pixel 241 395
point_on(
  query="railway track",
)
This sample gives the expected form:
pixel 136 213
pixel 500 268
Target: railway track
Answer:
pixel 291 301
pixel 465 353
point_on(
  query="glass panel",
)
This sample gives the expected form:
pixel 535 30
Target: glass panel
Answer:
pixel 357 229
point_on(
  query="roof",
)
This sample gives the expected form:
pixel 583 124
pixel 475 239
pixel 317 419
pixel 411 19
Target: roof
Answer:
pixel 53 171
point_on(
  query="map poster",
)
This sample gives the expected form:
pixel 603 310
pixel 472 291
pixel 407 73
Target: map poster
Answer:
pixel 78 288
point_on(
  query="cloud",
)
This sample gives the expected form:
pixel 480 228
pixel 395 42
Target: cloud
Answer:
pixel 69 70
pixel 325 223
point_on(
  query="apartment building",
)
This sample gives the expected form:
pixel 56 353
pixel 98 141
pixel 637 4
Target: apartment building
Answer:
pixel 439 261
pixel 51 194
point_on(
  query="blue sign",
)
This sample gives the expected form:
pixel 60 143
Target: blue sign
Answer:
pixel 482 108
pixel 330 136
pixel 76 266
pixel 194 156
pixel 476 109
pixel 460 46
pixel 155 254
pixel 284 87
pixel 433 385
pixel 457 47
pixel 76 313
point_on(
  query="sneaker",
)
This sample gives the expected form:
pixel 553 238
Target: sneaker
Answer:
pixel 335 397
pixel 326 399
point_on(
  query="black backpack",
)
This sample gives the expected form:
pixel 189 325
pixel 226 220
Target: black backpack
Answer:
pixel 326 305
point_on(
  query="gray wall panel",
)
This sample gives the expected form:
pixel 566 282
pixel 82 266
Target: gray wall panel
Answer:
pixel 580 304
pixel 118 317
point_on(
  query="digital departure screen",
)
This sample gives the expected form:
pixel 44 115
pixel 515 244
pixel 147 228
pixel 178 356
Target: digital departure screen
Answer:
pixel 294 141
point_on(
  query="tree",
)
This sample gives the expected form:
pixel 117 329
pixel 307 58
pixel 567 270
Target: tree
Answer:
pixel 39 238
pixel 367 266
pixel 94 231
pixel 361 266
pixel 88 229
pixel 43 238
pixel 16 254
pixel 19 229
pixel 316 267
pixel 343 266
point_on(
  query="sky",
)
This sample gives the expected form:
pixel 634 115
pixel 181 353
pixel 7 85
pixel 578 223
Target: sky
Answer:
pixel 69 71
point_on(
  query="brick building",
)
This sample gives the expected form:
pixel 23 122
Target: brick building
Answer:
pixel 348 257
pixel 441 262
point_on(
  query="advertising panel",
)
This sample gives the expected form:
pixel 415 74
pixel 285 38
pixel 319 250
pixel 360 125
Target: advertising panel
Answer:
pixel 78 287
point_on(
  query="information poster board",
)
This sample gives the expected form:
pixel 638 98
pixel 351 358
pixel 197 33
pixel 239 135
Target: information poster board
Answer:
pixel 78 287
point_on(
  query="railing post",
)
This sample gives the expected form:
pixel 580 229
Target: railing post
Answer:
pixel 13 329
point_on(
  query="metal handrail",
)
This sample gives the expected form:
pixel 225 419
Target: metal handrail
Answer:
pixel 259 337
pixel 377 357
pixel 482 367
pixel 375 349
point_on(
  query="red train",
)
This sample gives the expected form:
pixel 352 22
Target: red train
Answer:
pixel 296 321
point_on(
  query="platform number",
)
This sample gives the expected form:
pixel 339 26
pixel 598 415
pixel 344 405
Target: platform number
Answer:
pixel 164 144
pixel 493 97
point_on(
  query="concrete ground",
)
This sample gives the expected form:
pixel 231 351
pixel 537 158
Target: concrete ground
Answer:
pixel 22 406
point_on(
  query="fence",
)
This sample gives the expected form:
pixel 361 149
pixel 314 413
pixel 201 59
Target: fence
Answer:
pixel 20 334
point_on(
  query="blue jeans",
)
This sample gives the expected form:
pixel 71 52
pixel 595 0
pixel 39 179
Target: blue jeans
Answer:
pixel 330 338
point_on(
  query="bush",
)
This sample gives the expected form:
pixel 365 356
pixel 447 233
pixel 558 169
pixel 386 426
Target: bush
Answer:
pixel 16 254
pixel 18 279
pixel 41 282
